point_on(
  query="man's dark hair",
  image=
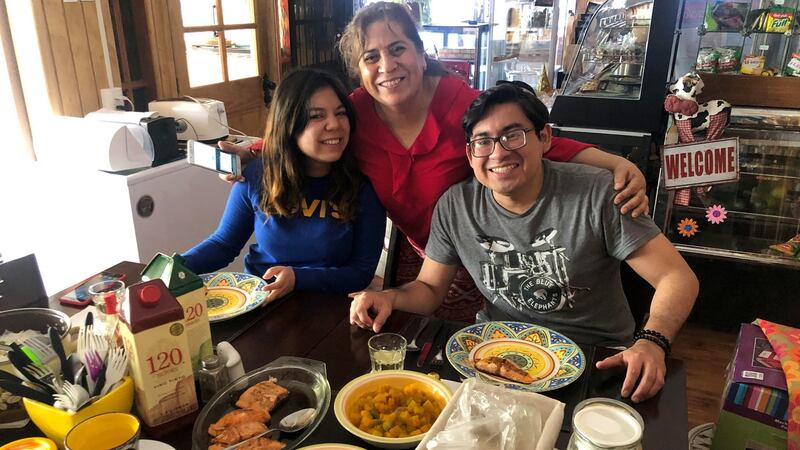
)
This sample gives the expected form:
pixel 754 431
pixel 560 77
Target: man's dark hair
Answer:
pixel 506 92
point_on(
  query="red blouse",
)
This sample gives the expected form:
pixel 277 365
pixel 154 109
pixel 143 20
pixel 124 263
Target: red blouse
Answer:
pixel 410 181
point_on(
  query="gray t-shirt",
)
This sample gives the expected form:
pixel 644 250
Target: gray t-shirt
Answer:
pixel 556 265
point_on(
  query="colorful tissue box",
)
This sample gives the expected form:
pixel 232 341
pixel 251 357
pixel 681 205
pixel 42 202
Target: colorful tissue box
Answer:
pixel 754 409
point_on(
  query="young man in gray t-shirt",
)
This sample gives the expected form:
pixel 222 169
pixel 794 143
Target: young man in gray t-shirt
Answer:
pixel 544 242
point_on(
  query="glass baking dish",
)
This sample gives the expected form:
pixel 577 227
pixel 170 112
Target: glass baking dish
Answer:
pixel 306 380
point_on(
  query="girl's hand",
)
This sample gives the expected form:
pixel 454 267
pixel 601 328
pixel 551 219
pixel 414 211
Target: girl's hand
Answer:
pixel 245 156
pixel 629 181
pixel 283 283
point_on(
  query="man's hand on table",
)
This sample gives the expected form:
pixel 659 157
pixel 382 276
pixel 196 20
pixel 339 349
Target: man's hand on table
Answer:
pixel 645 363
pixel 283 284
pixel 380 304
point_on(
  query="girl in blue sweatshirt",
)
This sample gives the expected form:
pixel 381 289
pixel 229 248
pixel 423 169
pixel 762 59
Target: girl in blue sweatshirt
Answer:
pixel 317 222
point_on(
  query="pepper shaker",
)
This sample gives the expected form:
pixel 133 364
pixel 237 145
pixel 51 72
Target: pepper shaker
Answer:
pixel 213 375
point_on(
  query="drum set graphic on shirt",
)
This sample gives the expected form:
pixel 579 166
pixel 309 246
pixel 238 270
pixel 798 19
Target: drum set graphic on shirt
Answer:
pixel 535 280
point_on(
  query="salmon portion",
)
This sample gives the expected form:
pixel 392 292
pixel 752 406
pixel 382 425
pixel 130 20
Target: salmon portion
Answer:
pixel 262 396
pixel 239 432
pixel 503 368
pixel 238 416
pixel 262 444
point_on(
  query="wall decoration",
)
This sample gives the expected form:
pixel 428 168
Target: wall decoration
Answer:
pixel 687 227
pixel 716 214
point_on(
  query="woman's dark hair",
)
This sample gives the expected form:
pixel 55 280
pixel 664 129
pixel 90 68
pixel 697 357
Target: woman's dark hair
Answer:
pixel 506 92
pixel 351 44
pixel 284 168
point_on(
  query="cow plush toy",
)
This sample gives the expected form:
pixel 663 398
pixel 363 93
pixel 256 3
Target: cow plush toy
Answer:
pixel 691 117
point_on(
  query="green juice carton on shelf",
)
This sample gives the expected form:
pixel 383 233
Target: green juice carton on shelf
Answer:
pixel 154 333
pixel 190 292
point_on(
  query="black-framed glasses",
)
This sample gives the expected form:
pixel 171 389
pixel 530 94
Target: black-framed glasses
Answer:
pixel 483 146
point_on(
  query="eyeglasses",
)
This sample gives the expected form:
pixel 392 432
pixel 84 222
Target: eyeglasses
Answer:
pixel 482 147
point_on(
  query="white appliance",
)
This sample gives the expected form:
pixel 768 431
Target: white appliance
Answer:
pixel 201 119
pixel 112 141
pixel 79 222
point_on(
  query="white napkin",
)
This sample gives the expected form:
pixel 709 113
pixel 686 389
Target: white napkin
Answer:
pixel 487 417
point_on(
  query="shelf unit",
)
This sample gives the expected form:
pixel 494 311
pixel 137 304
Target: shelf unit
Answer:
pixel 477 56
pixel 747 33
pixel 762 207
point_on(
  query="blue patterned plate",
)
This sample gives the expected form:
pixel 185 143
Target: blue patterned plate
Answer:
pixel 231 294
pixel 518 336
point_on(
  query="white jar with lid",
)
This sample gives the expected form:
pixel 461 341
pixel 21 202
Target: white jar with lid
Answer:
pixel 605 424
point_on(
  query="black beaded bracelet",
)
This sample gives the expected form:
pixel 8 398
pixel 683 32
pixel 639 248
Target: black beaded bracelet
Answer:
pixel 655 337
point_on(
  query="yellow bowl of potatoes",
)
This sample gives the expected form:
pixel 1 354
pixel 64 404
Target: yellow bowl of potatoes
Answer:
pixel 391 409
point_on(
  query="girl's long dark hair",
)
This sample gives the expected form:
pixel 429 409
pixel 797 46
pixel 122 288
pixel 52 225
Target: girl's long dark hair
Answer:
pixel 284 169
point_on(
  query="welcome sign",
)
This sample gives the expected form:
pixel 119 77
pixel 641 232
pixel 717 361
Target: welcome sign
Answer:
pixel 701 163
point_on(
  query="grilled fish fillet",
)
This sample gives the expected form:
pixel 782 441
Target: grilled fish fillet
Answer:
pixel 261 444
pixel 501 367
pixel 262 396
pixel 238 416
pixel 239 432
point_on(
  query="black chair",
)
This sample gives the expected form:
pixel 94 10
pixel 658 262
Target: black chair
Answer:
pixel 392 257
pixel 21 284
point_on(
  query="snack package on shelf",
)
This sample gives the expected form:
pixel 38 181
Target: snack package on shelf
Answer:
pixel 707 60
pixel 779 20
pixel 753 64
pixel 793 66
pixel 776 19
pixel 729 59
pixel 725 16
pixel 788 248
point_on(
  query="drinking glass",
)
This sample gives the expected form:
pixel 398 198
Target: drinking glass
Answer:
pixel 387 351
pixel 107 296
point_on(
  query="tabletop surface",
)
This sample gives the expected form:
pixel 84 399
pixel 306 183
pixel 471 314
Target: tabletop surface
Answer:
pixel 316 326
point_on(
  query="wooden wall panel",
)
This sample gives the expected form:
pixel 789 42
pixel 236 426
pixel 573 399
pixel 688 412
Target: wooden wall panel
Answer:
pixel 96 45
pixel 72 54
pixel 48 63
pixel 81 57
pixel 62 57
pixel 157 12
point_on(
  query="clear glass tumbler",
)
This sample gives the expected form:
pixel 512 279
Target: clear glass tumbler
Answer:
pixel 387 351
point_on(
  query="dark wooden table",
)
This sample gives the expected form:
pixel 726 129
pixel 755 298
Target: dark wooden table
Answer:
pixel 316 326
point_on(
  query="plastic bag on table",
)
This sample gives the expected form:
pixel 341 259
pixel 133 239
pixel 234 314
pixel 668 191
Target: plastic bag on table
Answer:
pixel 487 417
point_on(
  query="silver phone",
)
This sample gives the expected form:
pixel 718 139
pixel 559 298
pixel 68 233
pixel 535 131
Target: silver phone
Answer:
pixel 212 158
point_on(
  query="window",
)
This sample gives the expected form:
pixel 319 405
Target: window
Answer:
pixel 220 40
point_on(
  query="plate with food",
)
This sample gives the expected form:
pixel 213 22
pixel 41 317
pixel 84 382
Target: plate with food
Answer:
pixel 261 400
pixel 516 355
pixel 232 294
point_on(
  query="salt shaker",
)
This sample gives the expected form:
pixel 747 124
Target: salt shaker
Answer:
pixel 213 375
pixel 230 359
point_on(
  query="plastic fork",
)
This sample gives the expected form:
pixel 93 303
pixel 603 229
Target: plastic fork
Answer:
pixel 41 347
pixel 46 376
pixel 412 346
pixel 115 369
pixel 73 398
pixel 437 360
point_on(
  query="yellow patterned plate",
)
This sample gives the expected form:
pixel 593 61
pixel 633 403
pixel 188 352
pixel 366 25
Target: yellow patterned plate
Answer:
pixel 231 294
pixel 540 363
pixel 570 357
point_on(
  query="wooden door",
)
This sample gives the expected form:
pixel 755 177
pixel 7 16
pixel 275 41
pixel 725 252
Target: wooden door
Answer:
pixel 220 49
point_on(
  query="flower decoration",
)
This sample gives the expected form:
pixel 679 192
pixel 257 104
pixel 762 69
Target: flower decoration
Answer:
pixel 716 214
pixel 687 227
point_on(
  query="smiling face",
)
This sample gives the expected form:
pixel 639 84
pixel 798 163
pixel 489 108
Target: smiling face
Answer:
pixel 513 176
pixel 327 133
pixel 391 67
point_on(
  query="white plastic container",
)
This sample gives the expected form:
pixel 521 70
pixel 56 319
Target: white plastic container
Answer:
pixel 605 424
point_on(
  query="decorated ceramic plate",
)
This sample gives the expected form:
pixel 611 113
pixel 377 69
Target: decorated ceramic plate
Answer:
pixel 560 360
pixel 231 294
